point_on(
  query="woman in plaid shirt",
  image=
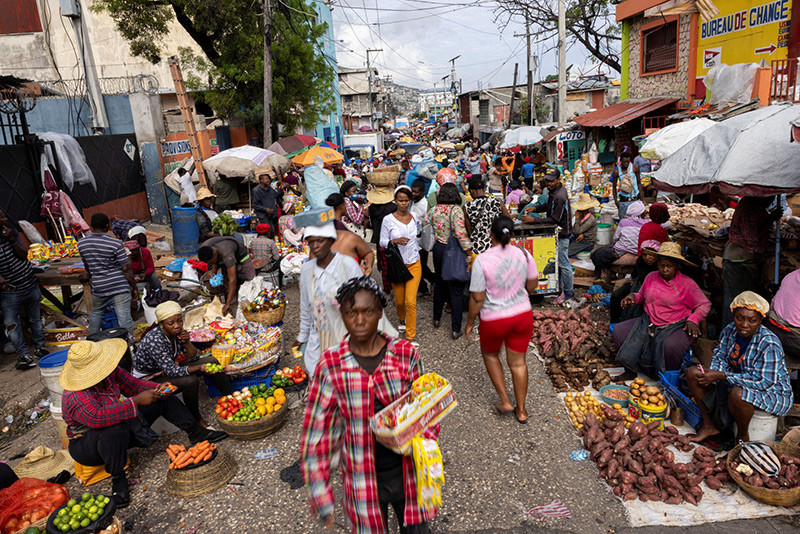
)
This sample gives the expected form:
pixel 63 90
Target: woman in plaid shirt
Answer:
pixel 353 381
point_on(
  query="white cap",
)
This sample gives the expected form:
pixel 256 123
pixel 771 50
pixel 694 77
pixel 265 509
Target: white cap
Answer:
pixel 322 230
pixel 136 230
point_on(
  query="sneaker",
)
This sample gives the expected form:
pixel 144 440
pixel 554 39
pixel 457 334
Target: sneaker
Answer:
pixel 401 328
pixel 25 362
pixel 415 344
pixel 41 353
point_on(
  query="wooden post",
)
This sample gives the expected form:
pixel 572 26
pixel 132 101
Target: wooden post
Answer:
pixel 513 92
pixel 188 119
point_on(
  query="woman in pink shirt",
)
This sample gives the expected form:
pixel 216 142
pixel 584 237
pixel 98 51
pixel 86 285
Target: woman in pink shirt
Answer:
pixel 674 307
pixel 784 316
pixel 502 279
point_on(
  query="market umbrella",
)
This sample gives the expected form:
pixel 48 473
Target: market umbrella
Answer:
pixel 667 140
pixel 328 144
pixel 238 161
pixel 453 132
pixel 528 135
pixel 328 155
pixel 294 144
pixel 510 138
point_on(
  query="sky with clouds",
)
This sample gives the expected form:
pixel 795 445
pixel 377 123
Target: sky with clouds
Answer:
pixel 419 37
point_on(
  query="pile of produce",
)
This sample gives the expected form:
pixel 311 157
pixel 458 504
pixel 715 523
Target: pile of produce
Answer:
pixel 251 403
pixel 181 457
pixel 699 211
pixel 788 475
pixel 629 419
pixel 289 377
pixel 579 405
pixel 202 335
pixel 76 515
pixel 267 299
pixel 647 396
pixel 639 464
pixel 27 501
pixel 214 368
pixel 224 224
pixel 574 348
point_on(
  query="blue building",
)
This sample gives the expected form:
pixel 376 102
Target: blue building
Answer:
pixel 330 129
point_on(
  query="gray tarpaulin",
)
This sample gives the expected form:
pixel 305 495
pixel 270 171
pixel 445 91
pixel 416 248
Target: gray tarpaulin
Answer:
pixel 749 154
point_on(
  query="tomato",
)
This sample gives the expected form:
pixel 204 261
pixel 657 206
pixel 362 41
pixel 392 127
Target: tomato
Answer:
pixel 297 380
pixel 218 409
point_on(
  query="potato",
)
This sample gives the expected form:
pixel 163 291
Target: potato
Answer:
pixel 652 390
pixel 638 381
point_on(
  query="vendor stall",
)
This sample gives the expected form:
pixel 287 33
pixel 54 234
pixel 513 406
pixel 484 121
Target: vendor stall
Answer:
pixel 65 273
pixel 541 241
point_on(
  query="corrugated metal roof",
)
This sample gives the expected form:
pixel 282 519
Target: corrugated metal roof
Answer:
pixel 619 114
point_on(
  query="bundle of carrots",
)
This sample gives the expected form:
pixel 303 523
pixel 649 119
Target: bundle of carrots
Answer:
pixel 181 457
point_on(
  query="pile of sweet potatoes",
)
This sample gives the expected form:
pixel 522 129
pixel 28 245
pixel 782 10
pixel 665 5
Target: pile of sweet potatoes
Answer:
pixel 574 348
pixel 639 464
pixel 788 477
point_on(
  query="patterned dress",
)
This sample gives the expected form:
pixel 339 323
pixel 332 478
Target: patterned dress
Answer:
pixel 482 212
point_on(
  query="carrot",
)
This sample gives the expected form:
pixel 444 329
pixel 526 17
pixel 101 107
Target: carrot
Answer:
pixel 185 463
pixel 182 457
pixel 171 454
pixel 197 459
pixel 208 455
pixel 197 449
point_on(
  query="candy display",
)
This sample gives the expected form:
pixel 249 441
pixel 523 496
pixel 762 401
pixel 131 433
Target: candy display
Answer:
pixel 53 250
pixel 268 299
pixel 428 472
pixel 203 335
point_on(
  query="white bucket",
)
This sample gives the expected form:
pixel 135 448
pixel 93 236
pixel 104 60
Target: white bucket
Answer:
pixel 605 234
pixel 50 369
pixel 763 426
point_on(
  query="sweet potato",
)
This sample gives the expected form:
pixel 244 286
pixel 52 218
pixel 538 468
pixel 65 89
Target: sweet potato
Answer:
pixel 681 469
pixel 771 483
pixel 636 467
pixel 653 426
pixel 618 491
pixel 789 460
pixel 694 480
pixel 658 471
pixel 695 491
pixel 637 431
pixel 683 440
pixel 669 456
pixel 722 477
pixel 628 477
pixel 616 434
pixel 688 497
pixel 713 483
pixel 633 495
pixel 674 499
pixel 622 444
pixel 605 456
pixel 613 468
pixel 670 429
pixel 640 445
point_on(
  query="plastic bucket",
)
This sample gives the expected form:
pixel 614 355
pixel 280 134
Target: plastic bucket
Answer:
pixel 50 369
pixel 648 414
pixel 185 231
pixel 61 426
pixel 763 426
pixel 605 234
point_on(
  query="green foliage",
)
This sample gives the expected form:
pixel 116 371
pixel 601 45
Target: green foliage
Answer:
pixel 224 224
pixel 229 76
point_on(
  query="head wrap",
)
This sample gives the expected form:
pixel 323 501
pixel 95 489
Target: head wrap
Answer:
pixel 403 188
pixel 136 230
pixel 446 175
pixel 167 309
pixel 262 228
pixel 659 213
pixel 635 209
pixel 650 244
pixel 132 244
pixel 751 301
pixel 327 230
pixel 367 283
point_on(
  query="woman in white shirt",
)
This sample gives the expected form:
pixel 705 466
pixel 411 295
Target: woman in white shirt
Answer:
pixel 403 229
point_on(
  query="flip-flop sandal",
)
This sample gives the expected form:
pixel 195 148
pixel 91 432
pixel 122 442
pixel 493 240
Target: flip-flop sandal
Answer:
pixel 520 421
pixel 503 412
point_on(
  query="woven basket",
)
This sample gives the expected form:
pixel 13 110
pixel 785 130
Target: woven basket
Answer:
pixel 204 479
pixel 265 317
pixel 776 497
pixel 40 524
pixel 255 429
pixel 386 178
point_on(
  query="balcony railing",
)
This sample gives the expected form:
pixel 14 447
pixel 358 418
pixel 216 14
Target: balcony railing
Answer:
pixel 784 86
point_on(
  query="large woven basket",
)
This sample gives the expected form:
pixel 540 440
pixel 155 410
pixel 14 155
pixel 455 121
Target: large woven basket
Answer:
pixel 384 176
pixel 776 497
pixel 265 317
pixel 255 429
pixel 204 479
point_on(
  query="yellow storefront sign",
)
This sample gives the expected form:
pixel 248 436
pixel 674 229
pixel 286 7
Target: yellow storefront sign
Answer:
pixel 744 33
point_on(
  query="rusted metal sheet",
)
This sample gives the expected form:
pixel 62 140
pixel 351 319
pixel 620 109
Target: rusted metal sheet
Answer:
pixel 20 16
pixel 619 114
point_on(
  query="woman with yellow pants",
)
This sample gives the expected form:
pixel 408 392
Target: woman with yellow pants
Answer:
pixel 403 229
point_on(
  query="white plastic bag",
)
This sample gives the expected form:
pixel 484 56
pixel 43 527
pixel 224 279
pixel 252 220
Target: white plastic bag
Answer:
pixel 149 313
pixel 731 83
pixel 31 232
pixel 71 159
pixel 189 278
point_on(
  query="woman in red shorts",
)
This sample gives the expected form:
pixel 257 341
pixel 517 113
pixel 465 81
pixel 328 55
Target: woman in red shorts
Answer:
pixel 502 278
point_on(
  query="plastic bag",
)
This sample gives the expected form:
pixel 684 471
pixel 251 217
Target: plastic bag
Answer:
pixel 319 186
pixel 176 265
pixel 31 232
pixel 71 159
pixel 731 83
pixel 28 500
pixel 428 472
pixel 149 311
pixel 189 278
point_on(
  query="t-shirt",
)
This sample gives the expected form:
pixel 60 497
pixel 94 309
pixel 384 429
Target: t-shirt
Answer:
pixel 16 271
pixel 481 212
pixel 527 170
pixel 227 191
pixel 502 272
pixel 188 193
pixel 496 179
pixel 103 256
pixel 736 356
pixel 231 251
pixel 787 300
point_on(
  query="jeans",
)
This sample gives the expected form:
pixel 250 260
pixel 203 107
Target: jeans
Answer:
pixel 576 247
pixel 623 208
pixel 122 307
pixel 564 267
pixel 11 302
pixel 444 291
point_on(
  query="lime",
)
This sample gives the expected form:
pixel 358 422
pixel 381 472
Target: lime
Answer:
pixel 64 527
pixel 93 510
pixel 74 525
pixel 76 508
pixel 71 503
pixel 101 497
pixel 94 517
pixel 62 512
pixel 85 522
pixel 86 496
pixel 57 522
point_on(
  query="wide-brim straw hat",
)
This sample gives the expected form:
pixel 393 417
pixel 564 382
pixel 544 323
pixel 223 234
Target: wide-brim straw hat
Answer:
pixel 205 192
pixel 585 202
pixel 670 249
pixel 381 195
pixel 90 362
pixel 43 463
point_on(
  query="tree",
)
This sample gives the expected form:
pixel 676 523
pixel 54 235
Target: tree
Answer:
pixel 589 22
pixel 231 36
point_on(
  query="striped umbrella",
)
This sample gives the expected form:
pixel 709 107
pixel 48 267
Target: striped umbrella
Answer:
pixel 294 144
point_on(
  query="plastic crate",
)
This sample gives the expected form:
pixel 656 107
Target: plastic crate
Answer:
pixel 256 378
pixel 109 320
pixel 669 382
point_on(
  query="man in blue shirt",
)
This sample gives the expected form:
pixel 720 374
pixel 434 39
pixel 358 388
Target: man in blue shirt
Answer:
pixel 265 203
pixel 527 172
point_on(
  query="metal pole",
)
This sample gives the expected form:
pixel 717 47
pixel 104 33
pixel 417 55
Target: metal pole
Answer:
pixel 562 67
pixel 513 92
pixel 369 82
pixel 530 77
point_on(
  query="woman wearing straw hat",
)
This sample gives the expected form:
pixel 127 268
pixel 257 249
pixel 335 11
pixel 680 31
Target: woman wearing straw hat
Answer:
pixel 205 214
pixel 674 307
pixel 108 411
pixel 584 233
pixel 748 373
pixel 165 354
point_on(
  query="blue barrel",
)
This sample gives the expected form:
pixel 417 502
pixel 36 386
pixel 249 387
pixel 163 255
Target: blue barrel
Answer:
pixel 185 231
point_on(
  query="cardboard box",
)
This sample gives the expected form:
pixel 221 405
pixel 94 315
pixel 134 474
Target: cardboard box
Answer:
pixel 794 203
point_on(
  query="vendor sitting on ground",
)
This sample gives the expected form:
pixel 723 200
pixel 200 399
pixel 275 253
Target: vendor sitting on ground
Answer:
pixel 784 317
pixel 291 235
pixel 674 307
pixel 646 263
pixel 142 266
pixel 655 228
pixel 165 354
pixel 748 372
pixel 584 233
pixel 263 248
pixel 107 411
pixel 227 254
pixel 515 192
pixel 626 240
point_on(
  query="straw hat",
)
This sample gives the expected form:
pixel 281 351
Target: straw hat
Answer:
pixel 380 195
pixel 89 363
pixel 669 249
pixel 205 192
pixel 585 202
pixel 43 463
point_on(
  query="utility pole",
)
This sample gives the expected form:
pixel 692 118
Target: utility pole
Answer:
pixel 266 138
pixel 369 82
pixel 562 67
pixel 96 103
pixel 527 36
pixel 513 92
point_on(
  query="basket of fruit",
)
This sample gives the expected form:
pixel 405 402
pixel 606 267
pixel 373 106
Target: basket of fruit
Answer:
pixel 780 490
pixel 253 412
pixel 268 307
pixel 290 379
pixel 90 514
pixel 204 478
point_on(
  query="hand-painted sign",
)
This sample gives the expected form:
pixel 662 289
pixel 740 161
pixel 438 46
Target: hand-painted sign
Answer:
pixel 744 33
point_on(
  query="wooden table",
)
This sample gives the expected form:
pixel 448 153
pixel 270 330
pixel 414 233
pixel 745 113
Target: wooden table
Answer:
pixel 52 277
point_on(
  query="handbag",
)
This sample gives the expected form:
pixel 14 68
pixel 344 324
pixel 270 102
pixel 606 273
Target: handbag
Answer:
pixel 454 261
pixel 397 272
pixel 428 238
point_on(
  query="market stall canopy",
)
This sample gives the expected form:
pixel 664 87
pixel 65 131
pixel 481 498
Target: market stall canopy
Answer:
pixel 329 144
pixel 748 154
pixel 618 114
pixel 667 140
pixel 796 130
pixel 294 144
pixel 238 161
pixel 528 135
pixel 328 155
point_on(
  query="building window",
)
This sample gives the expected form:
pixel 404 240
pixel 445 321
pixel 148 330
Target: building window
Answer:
pixel 659 50
pixel 20 16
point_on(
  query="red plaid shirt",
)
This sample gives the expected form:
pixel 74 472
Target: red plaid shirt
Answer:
pixel 340 404
pixel 104 404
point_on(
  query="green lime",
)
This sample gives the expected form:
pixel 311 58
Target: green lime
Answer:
pixel 64 527
pixel 85 522
pixel 86 496
pixel 76 508
pixel 93 510
pixel 94 517
pixel 74 525
pixel 57 522
pixel 71 503
pixel 100 497
pixel 62 512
